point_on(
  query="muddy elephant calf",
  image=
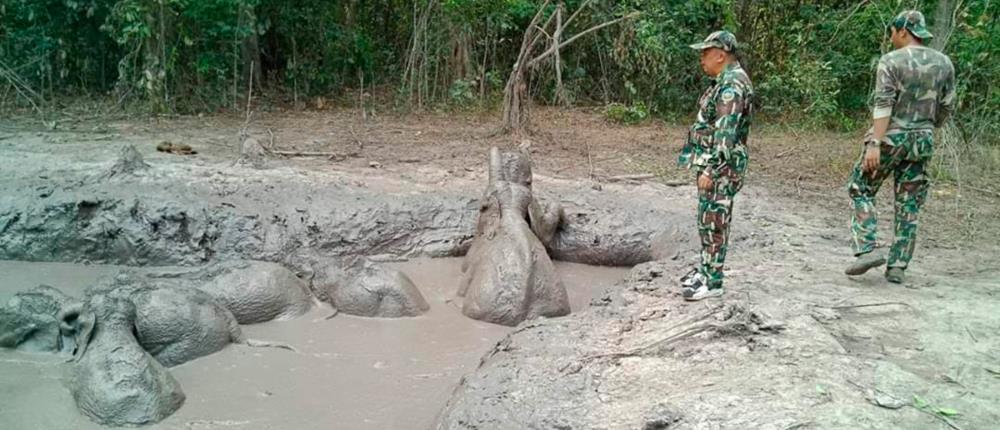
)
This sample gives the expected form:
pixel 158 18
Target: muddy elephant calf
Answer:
pixel 507 274
pixel 29 321
pixel 254 291
pixel 358 286
pixel 114 381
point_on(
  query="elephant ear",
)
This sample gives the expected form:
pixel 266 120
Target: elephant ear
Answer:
pixel 77 322
pixel 544 220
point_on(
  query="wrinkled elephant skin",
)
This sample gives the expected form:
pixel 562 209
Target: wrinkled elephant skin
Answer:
pixel 507 275
pixel 114 381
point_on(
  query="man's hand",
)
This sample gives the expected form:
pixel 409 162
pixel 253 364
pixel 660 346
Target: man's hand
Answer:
pixel 871 160
pixel 704 183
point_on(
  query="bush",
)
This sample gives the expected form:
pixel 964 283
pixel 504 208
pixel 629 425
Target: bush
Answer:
pixel 629 115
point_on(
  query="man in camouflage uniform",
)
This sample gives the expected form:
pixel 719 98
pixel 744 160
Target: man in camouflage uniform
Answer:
pixel 716 149
pixel 914 93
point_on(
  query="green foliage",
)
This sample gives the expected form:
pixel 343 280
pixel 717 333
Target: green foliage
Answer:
pixel 976 40
pixel 621 114
pixel 920 403
pixel 812 61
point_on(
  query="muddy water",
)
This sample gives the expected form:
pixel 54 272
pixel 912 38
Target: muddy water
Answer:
pixel 349 372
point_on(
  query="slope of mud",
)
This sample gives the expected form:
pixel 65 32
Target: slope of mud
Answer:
pixel 185 211
pixel 793 344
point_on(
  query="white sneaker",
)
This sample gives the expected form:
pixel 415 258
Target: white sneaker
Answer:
pixel 698 289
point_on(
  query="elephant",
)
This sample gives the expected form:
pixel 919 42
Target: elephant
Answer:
pixel 359 286
pixel 114 381
pixel 507 275
pixel 254 291
pixel 29 321
pixel 176 323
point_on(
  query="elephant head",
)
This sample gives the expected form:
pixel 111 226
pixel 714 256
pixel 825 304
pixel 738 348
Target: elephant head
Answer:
pixel 507 274
pixel 30 322
pixel 114 381
pixel 76 324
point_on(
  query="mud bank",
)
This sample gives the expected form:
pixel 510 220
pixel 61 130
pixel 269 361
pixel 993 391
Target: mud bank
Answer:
pixel 183 213
pixel 816 351
pixel 349 372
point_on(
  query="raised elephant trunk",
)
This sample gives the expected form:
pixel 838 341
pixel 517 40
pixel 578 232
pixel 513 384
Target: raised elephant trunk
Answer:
pixel 507 275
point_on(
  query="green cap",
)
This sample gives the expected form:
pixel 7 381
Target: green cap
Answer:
pixel 913 21
pixel 721 39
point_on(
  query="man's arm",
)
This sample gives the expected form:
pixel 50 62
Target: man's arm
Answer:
pixel 728 112
pixel 946 105
pixel 885 98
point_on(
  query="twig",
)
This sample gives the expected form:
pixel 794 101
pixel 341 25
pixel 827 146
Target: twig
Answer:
pixel 246 121
pixel 974 340
pixel 640 177
pixel 784 153
pixel 866 305
pixel 983 190
pixel 305 153
pixel 590 162
pixel 692 330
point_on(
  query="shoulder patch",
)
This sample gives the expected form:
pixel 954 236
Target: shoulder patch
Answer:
pixel 728 95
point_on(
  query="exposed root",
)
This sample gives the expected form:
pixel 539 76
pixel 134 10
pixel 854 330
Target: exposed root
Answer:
pixel 737 321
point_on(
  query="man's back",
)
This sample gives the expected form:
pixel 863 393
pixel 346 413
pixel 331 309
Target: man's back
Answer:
pixel 918 84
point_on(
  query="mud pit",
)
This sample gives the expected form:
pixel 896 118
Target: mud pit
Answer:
pixel 349 372
pixel 785 348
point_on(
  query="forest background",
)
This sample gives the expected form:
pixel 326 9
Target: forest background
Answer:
pixel 812 61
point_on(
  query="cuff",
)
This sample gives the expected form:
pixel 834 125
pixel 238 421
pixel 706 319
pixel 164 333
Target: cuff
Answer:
pixel 882 112
pixel 711 172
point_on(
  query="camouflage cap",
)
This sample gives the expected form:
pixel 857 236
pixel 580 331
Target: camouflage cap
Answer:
pixel 913 21
pixel 721 39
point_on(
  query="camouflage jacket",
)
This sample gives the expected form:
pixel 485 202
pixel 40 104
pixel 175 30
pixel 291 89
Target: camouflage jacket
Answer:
pixel 719 135
pixel 914 85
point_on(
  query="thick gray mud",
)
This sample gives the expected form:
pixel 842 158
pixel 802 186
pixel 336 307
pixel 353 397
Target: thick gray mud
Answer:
pixel 187 212
pixel 349 372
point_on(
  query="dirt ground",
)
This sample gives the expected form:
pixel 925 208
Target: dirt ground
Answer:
pixel 791 224
pixel 808 167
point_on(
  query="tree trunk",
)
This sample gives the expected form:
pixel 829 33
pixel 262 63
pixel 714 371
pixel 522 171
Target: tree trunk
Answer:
pixel 250 47
pixel 154 72
pixel 943 23
pixel 556 38
pixel 516 99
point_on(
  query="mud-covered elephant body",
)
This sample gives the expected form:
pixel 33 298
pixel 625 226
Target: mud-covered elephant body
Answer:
pixel 507 274
pixel 176 325
pixel 359 286
pixel 114 381
pixel 29 321
pixel 254 291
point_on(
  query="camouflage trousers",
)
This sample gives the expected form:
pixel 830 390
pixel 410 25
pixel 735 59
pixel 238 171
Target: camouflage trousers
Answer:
pixel 715 212
pixel 905 162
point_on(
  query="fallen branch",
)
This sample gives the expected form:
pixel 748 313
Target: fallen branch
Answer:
pixel 690 327
pixel 640 177
pixel 984 191
pixel 866 305
pixel 307 153
pixel 974 340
